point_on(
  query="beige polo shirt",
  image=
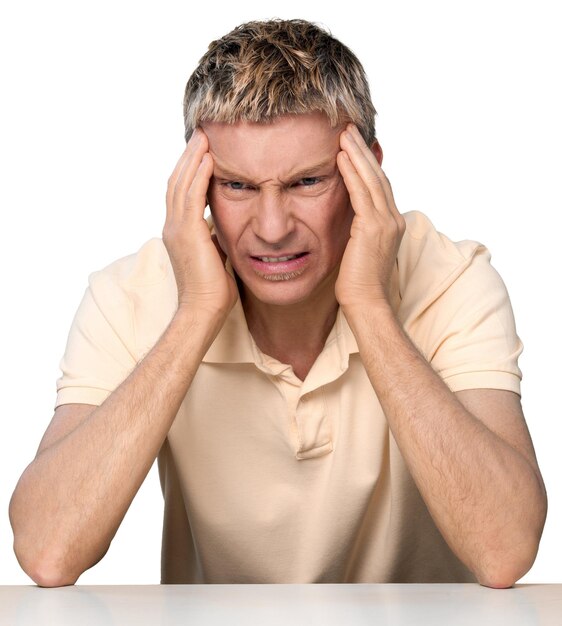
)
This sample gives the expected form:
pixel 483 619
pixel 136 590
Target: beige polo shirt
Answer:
pixel 267 479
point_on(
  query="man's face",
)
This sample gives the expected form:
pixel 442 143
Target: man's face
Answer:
pixel 281 209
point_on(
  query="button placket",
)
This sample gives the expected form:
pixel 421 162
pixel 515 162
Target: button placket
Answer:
pixel 314 425
pixel 308 415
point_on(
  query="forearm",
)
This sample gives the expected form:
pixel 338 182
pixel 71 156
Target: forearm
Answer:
pixel 483 495
pixel 73 496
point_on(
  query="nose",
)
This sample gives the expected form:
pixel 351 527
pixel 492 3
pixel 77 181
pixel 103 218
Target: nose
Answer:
pixel 273 220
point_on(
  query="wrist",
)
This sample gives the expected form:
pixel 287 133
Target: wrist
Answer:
pixel 203 323
pixel 210 316
pixel 380 307
pixel 367 317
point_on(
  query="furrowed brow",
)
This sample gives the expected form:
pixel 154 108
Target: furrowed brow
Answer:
pixel 311 169
pixel 225 173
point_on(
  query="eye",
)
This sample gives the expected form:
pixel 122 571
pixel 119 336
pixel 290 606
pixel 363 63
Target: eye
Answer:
pixel 309 181
pixel 235 185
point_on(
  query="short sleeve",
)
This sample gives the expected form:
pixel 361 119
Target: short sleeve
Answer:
pixel 99 352
pixel 475 343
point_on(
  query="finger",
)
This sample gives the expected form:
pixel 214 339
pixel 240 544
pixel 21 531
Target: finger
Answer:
pixel 369 168
pixel 352 128
pixel 189 148
pixel 219 249
pixel 382 178
pixel 362 202
pixel 195 199
pixel 362 165
pixel 172 182
pixel 196 148
pixel 184 172
pixel 359 193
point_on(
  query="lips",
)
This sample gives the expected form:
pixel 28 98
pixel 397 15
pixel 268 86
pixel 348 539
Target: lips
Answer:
pixel 279 259
pixel 282 267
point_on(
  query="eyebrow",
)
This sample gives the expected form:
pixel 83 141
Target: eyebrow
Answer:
pixel 292 175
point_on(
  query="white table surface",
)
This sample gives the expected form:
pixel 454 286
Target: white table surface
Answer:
pixel 269 605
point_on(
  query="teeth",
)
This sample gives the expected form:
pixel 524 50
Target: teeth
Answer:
pixel 271 259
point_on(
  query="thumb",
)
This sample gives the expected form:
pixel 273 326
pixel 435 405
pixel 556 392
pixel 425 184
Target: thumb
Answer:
pixel 219 249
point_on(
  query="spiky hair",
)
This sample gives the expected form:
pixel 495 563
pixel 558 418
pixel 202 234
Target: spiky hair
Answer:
pixel 264 69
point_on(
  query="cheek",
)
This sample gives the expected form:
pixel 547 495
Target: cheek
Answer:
pixel 217 213
pixel 338 212
pixel 337 228
pixel 339 197
pixel 228 222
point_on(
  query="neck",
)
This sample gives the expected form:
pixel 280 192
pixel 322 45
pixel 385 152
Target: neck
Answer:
pixel 293 334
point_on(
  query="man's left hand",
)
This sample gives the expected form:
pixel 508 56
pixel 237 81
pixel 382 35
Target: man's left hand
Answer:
pixel 376 230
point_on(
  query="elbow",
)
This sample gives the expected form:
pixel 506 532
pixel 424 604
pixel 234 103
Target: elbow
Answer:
pixel 40 565
pixel 51 567
pixel 44 564
pixel 498 580
pixel 504 572
pixel 505 569
pixel 45 576
pixel 44 570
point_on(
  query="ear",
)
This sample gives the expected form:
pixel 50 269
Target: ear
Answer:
pixel 376 149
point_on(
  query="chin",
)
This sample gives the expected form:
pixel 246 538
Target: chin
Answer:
pixel 294 291
pixel 279 294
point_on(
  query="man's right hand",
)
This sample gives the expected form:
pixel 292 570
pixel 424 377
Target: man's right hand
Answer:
pixel 198 263
pixel 71 499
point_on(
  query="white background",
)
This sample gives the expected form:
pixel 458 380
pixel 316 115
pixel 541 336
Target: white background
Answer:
pixel 468 97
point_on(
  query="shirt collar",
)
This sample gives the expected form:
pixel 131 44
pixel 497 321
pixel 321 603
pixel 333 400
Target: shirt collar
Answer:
pixel 234 343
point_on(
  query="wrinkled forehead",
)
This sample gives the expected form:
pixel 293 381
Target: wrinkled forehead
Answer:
pixel 266 150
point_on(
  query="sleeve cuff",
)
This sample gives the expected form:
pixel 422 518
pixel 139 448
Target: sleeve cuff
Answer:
pixel 81 395
pixel 484 380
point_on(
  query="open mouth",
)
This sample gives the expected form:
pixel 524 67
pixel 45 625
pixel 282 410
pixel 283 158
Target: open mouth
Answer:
pixel 280 267
pixel 279 259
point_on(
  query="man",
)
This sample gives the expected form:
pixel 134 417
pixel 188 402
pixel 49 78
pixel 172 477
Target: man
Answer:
pixel 331 387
